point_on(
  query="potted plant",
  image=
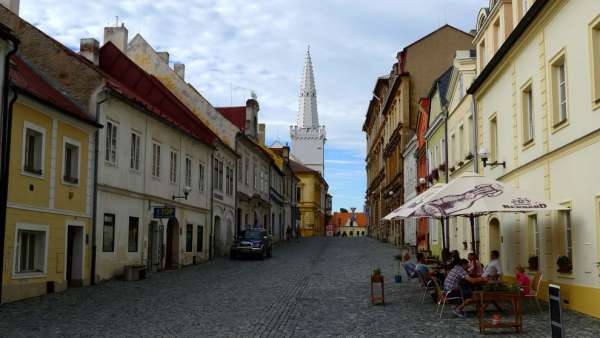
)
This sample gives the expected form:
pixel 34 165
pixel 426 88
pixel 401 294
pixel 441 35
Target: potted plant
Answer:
pixel 598 266
pixel 442 167
pixel 534 263
pixel 435 174
pixel 460 163
pixel 465 245
pixel 452 169
pixel 564 264
pixel 376 276
pixel 469 156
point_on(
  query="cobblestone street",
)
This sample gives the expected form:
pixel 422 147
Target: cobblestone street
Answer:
pixel 316 288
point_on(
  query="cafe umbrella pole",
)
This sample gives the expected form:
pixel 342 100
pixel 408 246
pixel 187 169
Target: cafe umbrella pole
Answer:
pixel 472 220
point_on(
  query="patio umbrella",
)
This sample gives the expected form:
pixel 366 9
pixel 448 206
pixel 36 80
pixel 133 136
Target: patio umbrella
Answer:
pixel 472 195
pixel 407 209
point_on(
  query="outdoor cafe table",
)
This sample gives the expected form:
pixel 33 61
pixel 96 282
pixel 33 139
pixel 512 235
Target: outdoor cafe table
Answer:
pixel 484 298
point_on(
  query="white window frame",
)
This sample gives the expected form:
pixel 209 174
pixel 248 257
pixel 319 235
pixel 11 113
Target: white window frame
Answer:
pixel 41 130
pixel 134 161
pixel 201 176
pixel 108 150
pixel 16 249
pixel 77 144
pixel 173 159
pixel 561 70
pixel 156 159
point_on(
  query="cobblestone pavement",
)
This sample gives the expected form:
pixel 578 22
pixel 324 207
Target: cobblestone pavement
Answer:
pixel 318 287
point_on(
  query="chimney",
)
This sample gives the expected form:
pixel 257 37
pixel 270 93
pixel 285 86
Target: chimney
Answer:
pixel 12 5
pixel 116 35
pixel 90 49
pixel 285 153
pixel 179 69
pixel 164 56
pixel 261 133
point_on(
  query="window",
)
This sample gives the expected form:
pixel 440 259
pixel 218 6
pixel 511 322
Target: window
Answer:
pixel 135 151
pixel 247 171
pixel 132 244
pixel 496 29
pixel 461 142
pixel 559 90
pixel 220 176
pixel 70 161
pixel 524 7
pixel 231 174
pixel 255 173
pixel 31 249
pixel 240 168
pixel 189 235
pixel 595 48
pixel 461 86
pixel 228 181
pixel 565 219
pixel 482 56
pixel 111 143
pixel 155 159
pixel 298 194
pixel 173 167
pixel 33 152
pixel 200 177
pixel 199 238
pixel 434 162
pixel 188 171
pixel 534 235
pixel 493 139
pixel 527 114
pixel 453 150
pixel 469 135
pixel 108 233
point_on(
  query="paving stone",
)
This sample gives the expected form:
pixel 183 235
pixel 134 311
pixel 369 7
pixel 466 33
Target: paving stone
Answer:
pixel 316 288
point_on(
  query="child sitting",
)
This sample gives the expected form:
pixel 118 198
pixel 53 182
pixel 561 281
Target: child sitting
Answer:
pixel 522 279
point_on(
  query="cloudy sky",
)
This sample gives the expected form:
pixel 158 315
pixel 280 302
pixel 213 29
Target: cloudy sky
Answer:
pixel 231 47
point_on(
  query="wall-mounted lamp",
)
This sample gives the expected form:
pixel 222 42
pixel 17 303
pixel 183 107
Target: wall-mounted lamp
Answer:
pixel 186 191
pixel 484 159
pixel 422 180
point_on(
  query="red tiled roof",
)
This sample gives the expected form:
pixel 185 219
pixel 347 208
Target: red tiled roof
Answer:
pixel 298 167
pixel 341 218
pixel 132 82
pixel 235 115
pixel 29 80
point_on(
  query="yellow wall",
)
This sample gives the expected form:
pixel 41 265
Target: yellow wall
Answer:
pixel 31 199
pixel 311 210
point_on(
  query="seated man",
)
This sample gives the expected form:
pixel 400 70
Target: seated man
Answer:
pixel 475 269
pixel 452 283
pixel 493 270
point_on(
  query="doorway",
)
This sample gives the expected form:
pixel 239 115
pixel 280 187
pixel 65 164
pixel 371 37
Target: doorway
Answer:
pixel 495 239
pixel 75 252
pixel 217 236
pixel 172 257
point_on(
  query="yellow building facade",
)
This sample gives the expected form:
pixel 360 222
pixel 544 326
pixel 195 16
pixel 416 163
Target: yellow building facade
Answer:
pixel 49 211
pixel 538 112
pixel 310 194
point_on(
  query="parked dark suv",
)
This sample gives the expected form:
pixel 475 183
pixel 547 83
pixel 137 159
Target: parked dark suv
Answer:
pixel 252 242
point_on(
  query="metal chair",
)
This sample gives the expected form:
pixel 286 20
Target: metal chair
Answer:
pixel 443 296
pixel 535 289
pixel 426 285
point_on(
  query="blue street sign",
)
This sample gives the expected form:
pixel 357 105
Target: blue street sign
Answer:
pixel 164 212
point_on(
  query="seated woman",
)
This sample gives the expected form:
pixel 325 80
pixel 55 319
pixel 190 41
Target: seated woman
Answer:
pixel 522 279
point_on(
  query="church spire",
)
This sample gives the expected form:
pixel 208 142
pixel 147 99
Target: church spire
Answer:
pixel 307 111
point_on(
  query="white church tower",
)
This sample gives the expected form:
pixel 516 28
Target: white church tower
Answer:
pixel 308 137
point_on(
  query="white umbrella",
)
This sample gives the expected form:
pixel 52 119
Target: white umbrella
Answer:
pixel 473 195
pixel 407 209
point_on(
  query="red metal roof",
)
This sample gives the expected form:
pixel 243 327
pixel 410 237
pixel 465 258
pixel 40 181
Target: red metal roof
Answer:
pixel 235 115
pixel 31 81
pixel 132 82
pixel 340 219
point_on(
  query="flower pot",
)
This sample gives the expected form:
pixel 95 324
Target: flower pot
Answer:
pixel 376 278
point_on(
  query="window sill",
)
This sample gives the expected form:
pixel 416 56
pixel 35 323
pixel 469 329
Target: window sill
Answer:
pixel 173 183
pixel 527 145
pixel 560 125
pixel 26 275
pixel 110 164
pixel 565 275
pixel 156 178
pixel 596 104
pixel 30 174
pixel 70 184
pixel 135 172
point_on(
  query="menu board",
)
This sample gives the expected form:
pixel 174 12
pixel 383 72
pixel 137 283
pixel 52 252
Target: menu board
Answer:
pixel 555 311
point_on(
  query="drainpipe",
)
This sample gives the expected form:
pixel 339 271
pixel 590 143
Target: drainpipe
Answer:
pixel 474 133
pixel 95 195
pixel 212 194
pixel 446 227
pixel 5 158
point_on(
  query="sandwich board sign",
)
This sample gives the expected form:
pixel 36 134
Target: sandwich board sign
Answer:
pixel 555 311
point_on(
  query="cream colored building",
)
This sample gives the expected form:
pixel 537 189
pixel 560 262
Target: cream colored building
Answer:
pixel 538 110
pixel 460 135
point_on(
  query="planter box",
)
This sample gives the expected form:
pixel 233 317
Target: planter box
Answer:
pixel 135 272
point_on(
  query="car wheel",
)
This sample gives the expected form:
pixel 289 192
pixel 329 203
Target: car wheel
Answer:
pixel 231 255
pixel 270 252
pixel 262 254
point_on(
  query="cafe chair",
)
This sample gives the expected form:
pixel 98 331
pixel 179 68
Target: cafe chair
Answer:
pixel 535 289
pixel 443 296
pixel 426 285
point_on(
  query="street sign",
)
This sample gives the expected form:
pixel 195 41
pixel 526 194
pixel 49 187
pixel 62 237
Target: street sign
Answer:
pixel 164 212
pixel 555 311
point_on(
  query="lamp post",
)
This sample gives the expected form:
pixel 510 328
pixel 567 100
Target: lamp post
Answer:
pixel 186 192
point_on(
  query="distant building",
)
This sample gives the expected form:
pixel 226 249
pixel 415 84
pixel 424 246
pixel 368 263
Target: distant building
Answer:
pixel 349 224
